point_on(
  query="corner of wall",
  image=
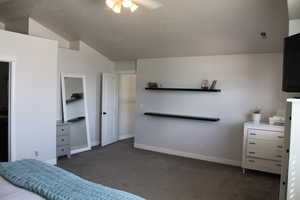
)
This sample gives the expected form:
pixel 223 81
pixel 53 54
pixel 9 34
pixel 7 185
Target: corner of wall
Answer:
pixel 75 45
pixel 126 66
pixel 294 26
pixel 2 26
pixel 19 25
pixel 37 29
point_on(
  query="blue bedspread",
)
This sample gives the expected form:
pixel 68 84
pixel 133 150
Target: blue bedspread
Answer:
pixel 54 183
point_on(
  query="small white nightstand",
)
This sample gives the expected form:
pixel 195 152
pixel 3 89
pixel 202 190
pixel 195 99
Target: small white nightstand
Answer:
pixel 263 147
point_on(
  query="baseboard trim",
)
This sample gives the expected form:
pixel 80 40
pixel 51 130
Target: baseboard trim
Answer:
pixel 52 161
pixel 95 143
pixel 189 155
pixel 124 137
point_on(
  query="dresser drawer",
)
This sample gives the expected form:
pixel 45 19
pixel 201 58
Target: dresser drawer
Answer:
pixel 265 135
pixel 62 140
pixel 268 154
pixel 62 151
pixel 62 130
pixel 263 165
pixel 269 145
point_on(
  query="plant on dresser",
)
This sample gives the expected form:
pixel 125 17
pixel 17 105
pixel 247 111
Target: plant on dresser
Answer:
pixel 63 147
pixel 263 147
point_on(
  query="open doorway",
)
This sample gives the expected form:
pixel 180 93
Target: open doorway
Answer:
pixel 4 111
pixel 127 105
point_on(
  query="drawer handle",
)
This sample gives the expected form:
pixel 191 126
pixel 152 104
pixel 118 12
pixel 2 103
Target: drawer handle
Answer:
pixel 252 152
pixel 279 156
pixel 62 140
pixel 278 165
pixel 280 137
pixel 252 143
pixel 62 129
pixel 253 161
pixel 280 146
pixel 252 133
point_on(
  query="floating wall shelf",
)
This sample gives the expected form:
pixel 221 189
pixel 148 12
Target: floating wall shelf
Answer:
pixel 183 89
pixel 77 119
pixel 68 101
pixel 182 116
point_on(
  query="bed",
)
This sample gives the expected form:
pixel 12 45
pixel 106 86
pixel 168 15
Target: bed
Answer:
pixel 36 180
pixel 10 192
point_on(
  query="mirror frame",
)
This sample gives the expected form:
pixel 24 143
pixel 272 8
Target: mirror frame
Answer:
pixel 64 108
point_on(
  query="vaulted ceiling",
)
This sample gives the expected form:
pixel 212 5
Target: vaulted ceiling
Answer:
pixel 179 28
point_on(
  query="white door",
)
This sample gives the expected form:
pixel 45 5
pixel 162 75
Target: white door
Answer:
pixel 109 109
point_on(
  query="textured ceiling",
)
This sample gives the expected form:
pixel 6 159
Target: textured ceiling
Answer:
pixel 294 9
pixel 179 28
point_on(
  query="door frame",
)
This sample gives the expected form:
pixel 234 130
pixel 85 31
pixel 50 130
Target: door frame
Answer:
pixel 11 107
pixel 74 75
pixel 119 73
pixel 116 111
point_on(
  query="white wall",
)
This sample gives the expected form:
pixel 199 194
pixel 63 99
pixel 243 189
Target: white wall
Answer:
pixel 123 66
pixel 78 58
pixel 38 30
pixel 34 102
pixel 246 81
pixel 90 63
pixel 28 25
pixel 294 26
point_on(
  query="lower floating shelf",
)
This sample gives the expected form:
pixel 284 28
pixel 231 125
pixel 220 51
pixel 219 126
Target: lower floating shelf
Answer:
pixel 182 116
pixel 76 119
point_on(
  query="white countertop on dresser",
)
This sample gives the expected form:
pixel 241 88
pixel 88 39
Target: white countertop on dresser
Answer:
pixel 264 125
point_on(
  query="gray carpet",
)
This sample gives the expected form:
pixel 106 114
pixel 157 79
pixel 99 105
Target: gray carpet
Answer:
pixel 157 176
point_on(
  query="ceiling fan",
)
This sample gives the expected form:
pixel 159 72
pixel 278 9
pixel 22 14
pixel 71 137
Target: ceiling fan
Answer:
pixel 132 5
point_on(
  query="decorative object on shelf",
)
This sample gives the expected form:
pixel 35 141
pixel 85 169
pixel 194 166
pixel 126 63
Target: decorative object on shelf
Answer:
pixel 205 85
pixel 152 85
pixel 277 120
pixel 213 85
pixel 256 116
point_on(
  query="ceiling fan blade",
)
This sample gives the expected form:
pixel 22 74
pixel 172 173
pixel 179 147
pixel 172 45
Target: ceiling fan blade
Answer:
pixel 150 4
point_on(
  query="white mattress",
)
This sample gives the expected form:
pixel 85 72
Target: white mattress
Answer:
pixel 11 192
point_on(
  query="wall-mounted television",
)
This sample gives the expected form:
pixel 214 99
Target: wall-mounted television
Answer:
pixel 291 65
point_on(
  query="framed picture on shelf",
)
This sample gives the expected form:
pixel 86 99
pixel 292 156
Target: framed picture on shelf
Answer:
pixel 213 85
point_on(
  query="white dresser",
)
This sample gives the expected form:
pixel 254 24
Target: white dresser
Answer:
pixel 63 147
pixel 263 147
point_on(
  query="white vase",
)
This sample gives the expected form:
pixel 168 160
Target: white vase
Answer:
pixel 256 117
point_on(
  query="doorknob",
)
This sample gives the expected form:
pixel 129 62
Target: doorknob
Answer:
pixel 104 113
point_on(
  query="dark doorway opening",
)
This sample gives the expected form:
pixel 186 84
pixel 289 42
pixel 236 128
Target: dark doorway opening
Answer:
pixel 4 111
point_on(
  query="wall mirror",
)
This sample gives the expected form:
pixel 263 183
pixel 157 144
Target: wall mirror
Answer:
pixel 75 111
